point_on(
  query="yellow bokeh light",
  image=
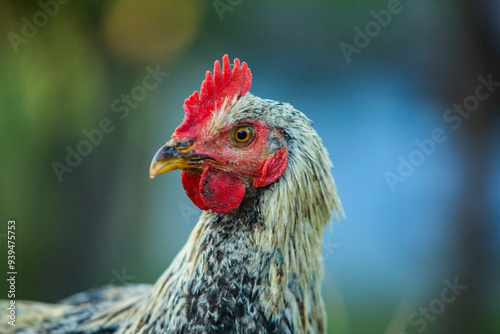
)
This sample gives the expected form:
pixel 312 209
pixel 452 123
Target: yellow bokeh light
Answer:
pixel 141 31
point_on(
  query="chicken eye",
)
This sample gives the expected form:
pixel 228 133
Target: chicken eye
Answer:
pixel 243 134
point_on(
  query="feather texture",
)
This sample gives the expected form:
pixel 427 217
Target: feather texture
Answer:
pixel 254 269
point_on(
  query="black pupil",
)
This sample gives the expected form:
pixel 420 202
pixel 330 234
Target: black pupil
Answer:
pixel 242 134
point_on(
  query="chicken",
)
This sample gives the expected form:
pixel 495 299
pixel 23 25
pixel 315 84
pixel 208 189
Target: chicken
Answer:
pixel 252 264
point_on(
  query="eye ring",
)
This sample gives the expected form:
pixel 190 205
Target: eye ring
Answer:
pixel 242 135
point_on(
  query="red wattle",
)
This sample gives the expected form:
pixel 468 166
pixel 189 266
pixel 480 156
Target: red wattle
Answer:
pixel 272 169
pixel 191 184
pixel 221 191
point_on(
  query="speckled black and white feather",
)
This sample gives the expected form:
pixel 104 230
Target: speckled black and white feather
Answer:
pixel 255 270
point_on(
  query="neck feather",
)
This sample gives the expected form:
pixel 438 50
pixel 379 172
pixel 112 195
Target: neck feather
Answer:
pixel 272 243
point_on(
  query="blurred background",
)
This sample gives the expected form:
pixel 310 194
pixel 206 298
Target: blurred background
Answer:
pixel 379 79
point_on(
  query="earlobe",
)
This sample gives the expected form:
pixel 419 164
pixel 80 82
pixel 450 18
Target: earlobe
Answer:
pixel 272 169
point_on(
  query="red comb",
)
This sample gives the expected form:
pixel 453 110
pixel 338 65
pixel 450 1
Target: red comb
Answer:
pixel 214 91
